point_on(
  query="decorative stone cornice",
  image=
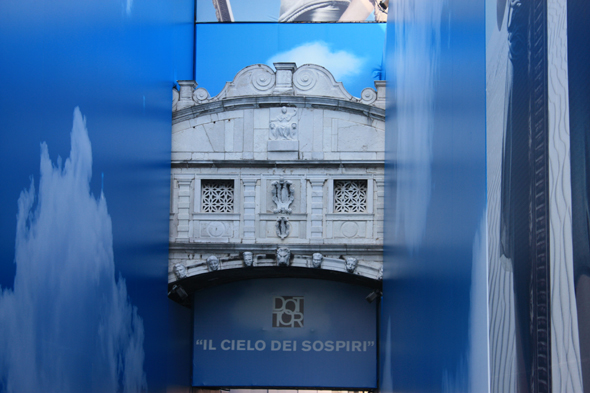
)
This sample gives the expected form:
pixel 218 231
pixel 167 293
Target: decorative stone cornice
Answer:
pixel 309 80
pixel 279 164
pixel 333 248
pixel 257 102
pixel 266 261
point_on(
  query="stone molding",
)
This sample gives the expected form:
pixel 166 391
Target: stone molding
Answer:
pixel 309 80
pixel 278 164
pixel 366 269
pixel 326 248
pixel 239 103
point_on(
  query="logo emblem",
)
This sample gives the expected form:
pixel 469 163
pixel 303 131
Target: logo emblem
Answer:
pixel 287 312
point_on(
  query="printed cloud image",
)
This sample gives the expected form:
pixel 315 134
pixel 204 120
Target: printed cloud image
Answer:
pixel 68 324
pixel 342 64
pixel 352 52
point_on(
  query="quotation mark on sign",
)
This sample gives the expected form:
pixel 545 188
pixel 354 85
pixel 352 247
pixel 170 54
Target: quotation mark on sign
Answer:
pixel 288 311
pixel 207 345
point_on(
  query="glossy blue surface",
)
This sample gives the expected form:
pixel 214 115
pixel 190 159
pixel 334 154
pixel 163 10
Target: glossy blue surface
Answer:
pixel 84 305
pixel 434 319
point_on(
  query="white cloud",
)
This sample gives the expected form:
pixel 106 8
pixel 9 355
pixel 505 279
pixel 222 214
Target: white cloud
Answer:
pixel 128 6
pixel 68 325
pixel 341 64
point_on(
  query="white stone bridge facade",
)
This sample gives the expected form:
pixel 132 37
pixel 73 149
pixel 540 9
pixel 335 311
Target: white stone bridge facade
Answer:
pixel 280 174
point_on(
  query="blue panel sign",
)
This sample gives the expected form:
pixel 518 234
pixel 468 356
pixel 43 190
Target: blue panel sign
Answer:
pixel 285 332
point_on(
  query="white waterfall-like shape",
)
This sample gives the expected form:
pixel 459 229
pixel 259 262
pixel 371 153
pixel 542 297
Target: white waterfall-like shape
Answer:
pixel 68 324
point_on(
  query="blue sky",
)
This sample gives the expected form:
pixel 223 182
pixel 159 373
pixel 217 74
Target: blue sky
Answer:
pixel 351 51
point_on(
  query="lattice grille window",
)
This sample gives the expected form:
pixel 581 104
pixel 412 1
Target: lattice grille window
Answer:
pixel 217 196
pixel 350 196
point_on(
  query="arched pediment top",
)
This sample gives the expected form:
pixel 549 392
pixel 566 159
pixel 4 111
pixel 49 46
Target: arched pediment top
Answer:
pixel 315 80
pixel 254 80
pixel 310 80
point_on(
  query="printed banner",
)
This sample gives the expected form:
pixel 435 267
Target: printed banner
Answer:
pixel 292 11
pixel 285 333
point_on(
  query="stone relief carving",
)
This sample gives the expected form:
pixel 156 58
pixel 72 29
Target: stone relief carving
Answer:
pixel 180 271
pixel 283 227
pixel 282 195
pixel 351 264
pixel 284 126
pixel 283 256
pixel 213 263
pixel 248 259
pixel 316 260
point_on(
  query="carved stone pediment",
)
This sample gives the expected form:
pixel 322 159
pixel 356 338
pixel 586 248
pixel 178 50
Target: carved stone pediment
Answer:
pixel 282 195
pixel 309 80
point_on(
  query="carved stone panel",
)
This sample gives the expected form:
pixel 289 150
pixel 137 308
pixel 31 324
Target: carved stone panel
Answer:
pixel 283 124
pixel 269 228
pixel 283 194
pixel 349 229
pixel 216 229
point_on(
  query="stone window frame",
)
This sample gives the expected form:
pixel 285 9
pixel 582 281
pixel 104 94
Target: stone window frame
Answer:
pixel 197 195
pixel 370 192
